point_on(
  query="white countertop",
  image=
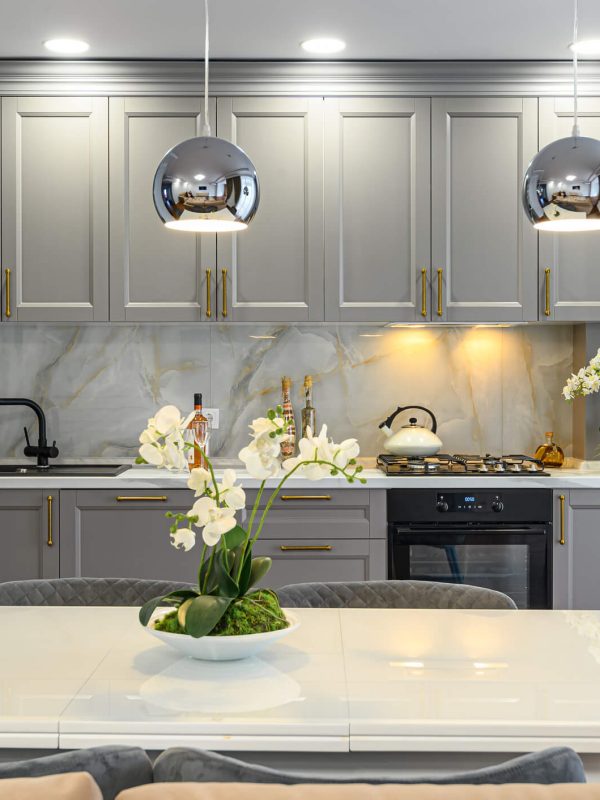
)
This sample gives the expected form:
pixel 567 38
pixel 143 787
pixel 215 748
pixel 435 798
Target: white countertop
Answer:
pixel 151 478
pixel 355 679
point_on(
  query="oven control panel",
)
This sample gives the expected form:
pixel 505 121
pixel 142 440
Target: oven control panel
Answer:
pixel 473 502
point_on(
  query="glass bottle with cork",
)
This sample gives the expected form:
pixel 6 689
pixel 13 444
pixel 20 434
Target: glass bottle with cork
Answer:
pixel 198 432
pixel 288 447
pixel 549 453
pixel 309 414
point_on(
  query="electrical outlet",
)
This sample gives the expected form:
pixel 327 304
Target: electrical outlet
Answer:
pixel 212 415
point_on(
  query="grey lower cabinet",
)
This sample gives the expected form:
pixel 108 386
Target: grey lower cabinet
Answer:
pixel 328 536
pixel 569 265
pixel 273 271
pixel 484 251
pixel 54 209
pixel 122 534
pixel 576 550
pixel 156 274
pixel 325 536
pixel 29 534
pixel 377 209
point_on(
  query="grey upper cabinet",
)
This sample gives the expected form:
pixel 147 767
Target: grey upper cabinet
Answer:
pixel 29 536
pixel 156 274
pixel 377 209
pixel 484 251
pixel 55 208
pixel 569 265
pixel 576 551
pixel 273 271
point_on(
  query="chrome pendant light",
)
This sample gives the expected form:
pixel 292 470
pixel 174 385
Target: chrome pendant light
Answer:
pixel 206 184
pixel 561 189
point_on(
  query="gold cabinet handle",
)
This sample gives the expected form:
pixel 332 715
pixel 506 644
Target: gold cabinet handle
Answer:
pixel 440 310
pixel 159 498
pixel 224 277
pixel 49 540
pixel 208 293
pixel 547 281
pixel 7 311
pixel 423 292
pixel 286 548
pixel 561 499
pixel 287 497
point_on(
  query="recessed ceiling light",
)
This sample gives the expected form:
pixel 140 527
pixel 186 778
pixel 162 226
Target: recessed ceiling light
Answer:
pixel 586 47
pixel 70 47
pixel 199 177
pixel 323 46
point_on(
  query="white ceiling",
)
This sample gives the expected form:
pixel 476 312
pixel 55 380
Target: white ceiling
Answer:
pixel 272 29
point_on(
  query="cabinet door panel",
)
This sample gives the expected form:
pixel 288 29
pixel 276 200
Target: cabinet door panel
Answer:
pixel 104 537
pixel 575 573
pixel 482 243
pixel 274 269
pixel 24 534
pixel 573 261
pixel 157 274
pixel 55 207
pixel 377 215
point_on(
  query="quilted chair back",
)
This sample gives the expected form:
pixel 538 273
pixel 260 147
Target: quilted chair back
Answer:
pixel 85 591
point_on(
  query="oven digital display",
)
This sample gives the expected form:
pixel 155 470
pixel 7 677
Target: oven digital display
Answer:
pixel 459 502
pixel 470 499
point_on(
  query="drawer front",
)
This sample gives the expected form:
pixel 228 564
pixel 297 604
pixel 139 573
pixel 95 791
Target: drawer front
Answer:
pixel 314 498
pixel 330 560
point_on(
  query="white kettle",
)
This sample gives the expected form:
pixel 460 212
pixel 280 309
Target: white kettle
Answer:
pixel 412 440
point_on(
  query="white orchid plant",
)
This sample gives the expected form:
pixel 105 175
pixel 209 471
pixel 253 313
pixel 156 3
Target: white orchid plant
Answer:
pixel 584 382
pixel 228 572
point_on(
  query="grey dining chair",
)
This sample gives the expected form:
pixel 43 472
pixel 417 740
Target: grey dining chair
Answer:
pixel 391 594
pixel 85 591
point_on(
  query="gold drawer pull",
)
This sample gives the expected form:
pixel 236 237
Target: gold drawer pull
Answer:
pixel 440 310
pixel 160 498
pixel 562 519
pixel 286 497
pixel 224 276
pixel 7 312
pixel 49 540
pixel 423 292
pixel 547 280
pixel 208 293
pixel 304 547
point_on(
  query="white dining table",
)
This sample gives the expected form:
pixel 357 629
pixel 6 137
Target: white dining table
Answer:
pixel 346 681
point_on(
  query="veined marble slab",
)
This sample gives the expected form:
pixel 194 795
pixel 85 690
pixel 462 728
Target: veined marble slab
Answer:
pixel 491 389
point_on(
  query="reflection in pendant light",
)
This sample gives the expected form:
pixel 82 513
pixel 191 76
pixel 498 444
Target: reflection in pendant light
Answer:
pixel 561 189
pixel 206 184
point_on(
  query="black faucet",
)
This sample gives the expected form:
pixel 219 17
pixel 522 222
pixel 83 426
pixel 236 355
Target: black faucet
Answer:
pixel 43 451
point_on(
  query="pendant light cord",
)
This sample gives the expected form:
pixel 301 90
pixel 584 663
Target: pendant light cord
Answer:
pixel 575 89
pixel 206 124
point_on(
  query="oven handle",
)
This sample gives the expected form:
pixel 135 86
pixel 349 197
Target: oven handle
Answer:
pixel 465 531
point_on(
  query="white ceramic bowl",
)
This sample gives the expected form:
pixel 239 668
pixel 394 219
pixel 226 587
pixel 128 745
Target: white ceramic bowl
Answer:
pixel 221 648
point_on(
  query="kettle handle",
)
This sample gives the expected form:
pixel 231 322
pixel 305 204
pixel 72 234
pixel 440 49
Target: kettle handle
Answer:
pixel 387 422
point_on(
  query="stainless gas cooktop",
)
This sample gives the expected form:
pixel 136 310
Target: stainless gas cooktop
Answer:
pixel 446 464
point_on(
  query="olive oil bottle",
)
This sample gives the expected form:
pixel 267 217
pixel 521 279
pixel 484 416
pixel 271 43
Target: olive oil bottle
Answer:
pixel 549 453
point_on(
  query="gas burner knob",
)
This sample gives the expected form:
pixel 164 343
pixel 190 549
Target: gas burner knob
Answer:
pixel 497 505
pixel 442 506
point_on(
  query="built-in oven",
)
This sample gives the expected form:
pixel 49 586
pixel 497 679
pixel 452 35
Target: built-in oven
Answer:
pixel 497 539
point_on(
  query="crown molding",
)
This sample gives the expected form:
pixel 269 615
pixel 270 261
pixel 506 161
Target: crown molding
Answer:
pixel 373 78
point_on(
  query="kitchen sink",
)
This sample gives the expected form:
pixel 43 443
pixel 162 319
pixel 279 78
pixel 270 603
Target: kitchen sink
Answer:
pixel 68 470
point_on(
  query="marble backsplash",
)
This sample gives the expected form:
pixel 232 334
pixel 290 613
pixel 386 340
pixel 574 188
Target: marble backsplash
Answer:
pixel 492 389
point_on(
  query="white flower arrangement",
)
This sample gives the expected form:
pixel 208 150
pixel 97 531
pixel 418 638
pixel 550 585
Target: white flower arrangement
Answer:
pixel 584 382
pixel 227 569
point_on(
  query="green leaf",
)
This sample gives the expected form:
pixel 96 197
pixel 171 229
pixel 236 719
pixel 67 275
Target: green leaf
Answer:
pixel 172 599
pixel 244 581
pixel 203 614
pixel 258 569
pixel 226 586
pixel 234 537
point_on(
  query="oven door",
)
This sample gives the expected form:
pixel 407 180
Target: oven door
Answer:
pixel 510 559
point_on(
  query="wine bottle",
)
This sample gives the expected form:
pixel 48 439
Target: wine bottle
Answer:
pixel 197 433
pixel 288 447
pixel 309 415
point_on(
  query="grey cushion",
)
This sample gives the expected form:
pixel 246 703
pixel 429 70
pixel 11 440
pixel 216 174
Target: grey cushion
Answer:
pixel 555 765
pixel 113 767
pixel 85 591
pixel 391 594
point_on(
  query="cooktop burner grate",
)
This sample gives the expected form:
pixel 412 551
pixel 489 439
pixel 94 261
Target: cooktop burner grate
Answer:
pixel 461 464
